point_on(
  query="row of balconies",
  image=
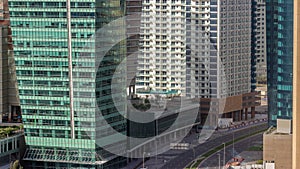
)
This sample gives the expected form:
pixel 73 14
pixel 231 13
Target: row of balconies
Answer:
pixel 164 67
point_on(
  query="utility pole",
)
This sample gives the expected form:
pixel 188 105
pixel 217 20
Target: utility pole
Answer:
pixel 156 120
pixel 224 156
pixel 143 160
pixel 219 160
pixel 233 145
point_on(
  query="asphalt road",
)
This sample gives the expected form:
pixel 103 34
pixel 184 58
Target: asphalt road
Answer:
pixel 186 157
pixel 213 161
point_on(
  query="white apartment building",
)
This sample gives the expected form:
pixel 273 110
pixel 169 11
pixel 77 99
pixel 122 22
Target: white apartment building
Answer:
pixel 196 48
pixel 162 62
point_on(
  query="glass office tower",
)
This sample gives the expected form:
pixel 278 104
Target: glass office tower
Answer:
pixel 59 134
pixel 279 17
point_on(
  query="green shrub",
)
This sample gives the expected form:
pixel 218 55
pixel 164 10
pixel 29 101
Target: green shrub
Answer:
pixel 16 165
pixel 259 162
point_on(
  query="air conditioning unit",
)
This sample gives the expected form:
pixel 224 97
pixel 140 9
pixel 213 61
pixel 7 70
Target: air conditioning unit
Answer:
pixel 284 126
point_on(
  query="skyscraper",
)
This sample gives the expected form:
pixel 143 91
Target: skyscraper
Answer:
pixel 259 38
pixel 61 86
pixel 9 100
pixel 279 19
pixel 282 60
pixel 197 49
pixel 162 68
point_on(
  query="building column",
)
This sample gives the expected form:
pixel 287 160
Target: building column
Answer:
pixel 242 112
pixel 9 116
pixel 239 115
pixel 246 113
pixel 129 90
pixel 252 112
pixel 133 88
pixel 233 116
pixel 210 119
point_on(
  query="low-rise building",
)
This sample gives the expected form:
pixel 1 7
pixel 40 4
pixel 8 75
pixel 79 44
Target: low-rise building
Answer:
pixel 277 146
pixel 12 145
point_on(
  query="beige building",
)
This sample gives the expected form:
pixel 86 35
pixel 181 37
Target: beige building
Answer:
pixel 296 87
pixel 277 146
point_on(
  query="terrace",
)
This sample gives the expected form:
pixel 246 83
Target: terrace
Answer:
pixel 10 130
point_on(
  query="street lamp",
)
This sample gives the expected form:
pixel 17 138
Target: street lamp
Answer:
pixel 156 121
pixel 224 156
pixel 194 152
pixel 219 160
pixel 233 145
pixel 144 159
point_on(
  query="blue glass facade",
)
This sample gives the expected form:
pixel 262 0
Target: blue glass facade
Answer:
pixel 279 17
pixel 40 39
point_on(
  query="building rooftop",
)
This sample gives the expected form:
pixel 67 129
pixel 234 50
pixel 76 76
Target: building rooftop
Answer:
pixel 273 131
pixel 164 107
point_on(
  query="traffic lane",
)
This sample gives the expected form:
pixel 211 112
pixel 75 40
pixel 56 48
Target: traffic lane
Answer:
pixel 213 161
pixel 152 163
pixel 211 143
pixel 185 158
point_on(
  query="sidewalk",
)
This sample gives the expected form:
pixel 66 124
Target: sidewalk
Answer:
pixel 239 124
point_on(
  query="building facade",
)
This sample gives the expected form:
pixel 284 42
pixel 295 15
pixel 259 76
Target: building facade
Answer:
pixel 9 100
pixel 279 17
pixel 259 39
pixel 133 28
pixel 296 82
pixel 197 49
pixel 65 98
pixel 283 78
pixel 161 63
pixel 201 49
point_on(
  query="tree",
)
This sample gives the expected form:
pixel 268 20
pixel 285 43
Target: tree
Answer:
pixel 16 165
